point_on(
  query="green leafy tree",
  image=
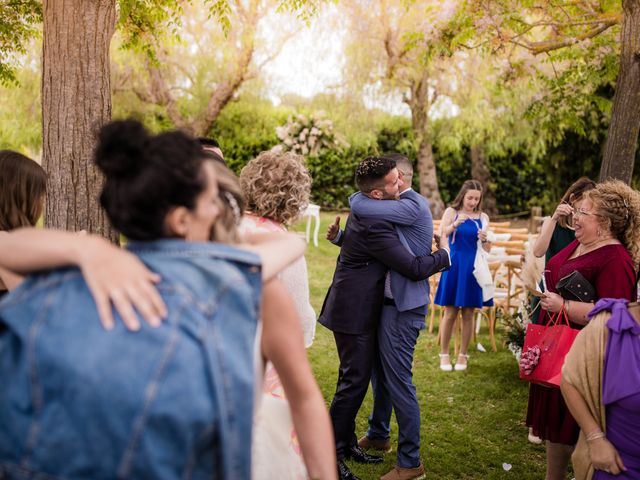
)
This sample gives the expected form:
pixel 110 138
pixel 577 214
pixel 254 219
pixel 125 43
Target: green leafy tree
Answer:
pixel 76 85
pixel 550 25
pixel 400 47
pixel 192 80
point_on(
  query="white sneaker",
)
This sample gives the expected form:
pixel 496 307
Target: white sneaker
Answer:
pixel 461 366
pixel 445 364
pixel 533 438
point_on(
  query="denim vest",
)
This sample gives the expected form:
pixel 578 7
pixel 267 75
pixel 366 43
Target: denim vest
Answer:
pixel 78 402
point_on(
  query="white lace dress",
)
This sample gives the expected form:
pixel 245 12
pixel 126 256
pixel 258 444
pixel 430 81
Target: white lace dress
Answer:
pixel 275 450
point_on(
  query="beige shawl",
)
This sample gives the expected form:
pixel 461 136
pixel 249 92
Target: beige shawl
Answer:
pixel 583 368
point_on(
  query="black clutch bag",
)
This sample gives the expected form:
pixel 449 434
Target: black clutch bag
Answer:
pixel 575 287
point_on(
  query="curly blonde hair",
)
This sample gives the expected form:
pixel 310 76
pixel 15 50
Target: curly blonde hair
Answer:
pixel 618 207
pixel 276 186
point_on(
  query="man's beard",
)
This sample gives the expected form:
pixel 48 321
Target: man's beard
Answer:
pixel 388 196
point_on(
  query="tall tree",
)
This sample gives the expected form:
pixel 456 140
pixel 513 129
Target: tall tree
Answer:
pixel 622 140
pixel 492 95
pixel 75 101
pixel 76 96
pixel 388 50
pixel 550 25
pixel 192 81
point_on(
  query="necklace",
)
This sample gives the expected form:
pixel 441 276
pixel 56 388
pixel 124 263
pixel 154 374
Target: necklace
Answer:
pixel 582 249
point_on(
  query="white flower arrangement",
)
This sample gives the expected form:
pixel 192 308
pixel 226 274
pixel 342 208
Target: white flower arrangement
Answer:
pixel 309 135
pixel 516 327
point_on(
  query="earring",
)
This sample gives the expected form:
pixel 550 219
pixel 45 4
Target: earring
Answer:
pixel 599 232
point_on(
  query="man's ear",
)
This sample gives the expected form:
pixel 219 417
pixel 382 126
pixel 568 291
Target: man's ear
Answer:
pixel 177 222
pixel 377 194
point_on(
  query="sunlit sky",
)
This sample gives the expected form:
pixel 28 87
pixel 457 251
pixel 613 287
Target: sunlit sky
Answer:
pixel 312 62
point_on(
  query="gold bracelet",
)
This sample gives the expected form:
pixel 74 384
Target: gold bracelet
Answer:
pixel 567 307
pixel 595 435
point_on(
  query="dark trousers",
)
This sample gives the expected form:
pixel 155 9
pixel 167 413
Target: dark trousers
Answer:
pixel 356 354
pixel 393 386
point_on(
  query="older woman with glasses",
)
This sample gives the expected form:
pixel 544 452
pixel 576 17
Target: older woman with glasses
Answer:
pixel 606 252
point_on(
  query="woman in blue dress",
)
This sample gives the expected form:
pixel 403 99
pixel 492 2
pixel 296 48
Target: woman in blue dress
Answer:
pixel 464 224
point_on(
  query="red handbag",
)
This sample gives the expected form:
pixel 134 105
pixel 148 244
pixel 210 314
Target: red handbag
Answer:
pixel 545 347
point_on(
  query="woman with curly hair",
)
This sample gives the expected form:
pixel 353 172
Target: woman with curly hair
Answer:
pixel 276 188
pixel 606 252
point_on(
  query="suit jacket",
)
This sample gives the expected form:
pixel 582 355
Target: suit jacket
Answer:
pixel 369 249
pixel 414 223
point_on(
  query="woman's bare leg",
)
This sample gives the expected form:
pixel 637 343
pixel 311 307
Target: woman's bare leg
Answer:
pixel 446 326
pixel 558 456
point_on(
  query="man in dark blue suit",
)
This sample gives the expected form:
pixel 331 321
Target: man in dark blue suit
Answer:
pixel 403 314
pixel 354 302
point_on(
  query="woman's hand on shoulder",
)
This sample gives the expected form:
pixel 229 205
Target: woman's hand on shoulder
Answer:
pixel 116 276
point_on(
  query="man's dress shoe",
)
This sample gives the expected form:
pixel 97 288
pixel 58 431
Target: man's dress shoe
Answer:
pixel 344 473
pixel 356 454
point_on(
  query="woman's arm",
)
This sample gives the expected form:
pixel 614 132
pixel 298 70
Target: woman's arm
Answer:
pixel 546 231
pixel 603 454
pixel 114 276
pixel 404 211
pixel 576 311
pixel 448 225
pixel 482 233
pixel 277 250
pixel 283 345
pixel 9 280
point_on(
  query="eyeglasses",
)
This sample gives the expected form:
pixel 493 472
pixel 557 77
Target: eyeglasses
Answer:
pixel 584 213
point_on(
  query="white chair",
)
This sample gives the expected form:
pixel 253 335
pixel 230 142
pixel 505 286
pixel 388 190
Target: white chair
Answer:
pixel 312 212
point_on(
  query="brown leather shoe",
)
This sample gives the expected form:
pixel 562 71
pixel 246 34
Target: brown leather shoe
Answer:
pixel 375 444
pixel 401 473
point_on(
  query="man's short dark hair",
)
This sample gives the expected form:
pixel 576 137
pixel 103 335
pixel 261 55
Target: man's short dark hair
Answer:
pixel 371 171
pixel 208 142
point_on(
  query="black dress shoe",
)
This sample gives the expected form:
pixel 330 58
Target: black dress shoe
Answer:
pixel 344 473
pixel 356 454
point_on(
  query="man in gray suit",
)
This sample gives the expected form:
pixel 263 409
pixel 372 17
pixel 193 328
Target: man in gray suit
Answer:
pixel 402 318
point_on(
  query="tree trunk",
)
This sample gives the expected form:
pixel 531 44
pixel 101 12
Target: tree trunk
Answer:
pixel 480 172
pixel 428 178
pixel 622 140
pixel 427 175
pixel 76 102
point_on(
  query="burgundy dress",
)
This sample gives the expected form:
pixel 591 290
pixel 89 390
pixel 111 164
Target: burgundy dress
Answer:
pixel 610 270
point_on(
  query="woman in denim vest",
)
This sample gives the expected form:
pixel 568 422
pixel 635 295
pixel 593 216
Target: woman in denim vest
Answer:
pixel 168 402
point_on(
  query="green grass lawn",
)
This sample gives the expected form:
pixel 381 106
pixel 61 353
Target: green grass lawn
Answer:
pixel 472 422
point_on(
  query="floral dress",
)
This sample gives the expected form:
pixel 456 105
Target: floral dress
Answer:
pixel 275 450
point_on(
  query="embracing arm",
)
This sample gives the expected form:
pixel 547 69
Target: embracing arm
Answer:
pixel 384 244
pixel 401 212
pixel 113 275
pixel 277 250
pixel 283 345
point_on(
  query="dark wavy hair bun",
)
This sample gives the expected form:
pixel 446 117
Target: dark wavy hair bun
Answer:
pixel 146 176
pixel 121 148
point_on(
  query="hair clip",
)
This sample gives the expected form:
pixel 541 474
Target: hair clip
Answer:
pixel 233 203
